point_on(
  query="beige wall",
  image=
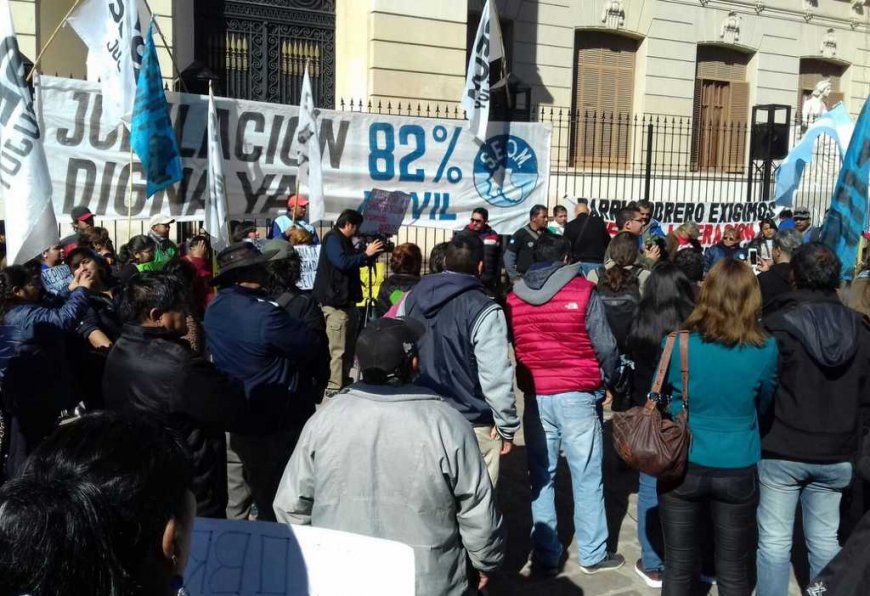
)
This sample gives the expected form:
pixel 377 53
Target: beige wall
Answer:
pixel 67 54
pixel 26 24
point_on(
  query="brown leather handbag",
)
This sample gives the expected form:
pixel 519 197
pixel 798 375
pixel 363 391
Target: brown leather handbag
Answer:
pixel 648 441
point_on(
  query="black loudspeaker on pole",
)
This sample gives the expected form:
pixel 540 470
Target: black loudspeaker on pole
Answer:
pixel 769 142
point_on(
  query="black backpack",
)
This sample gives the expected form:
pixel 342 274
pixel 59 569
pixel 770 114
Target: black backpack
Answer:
pixel 621 308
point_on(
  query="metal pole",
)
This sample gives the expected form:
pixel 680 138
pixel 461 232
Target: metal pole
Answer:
pixel 648 174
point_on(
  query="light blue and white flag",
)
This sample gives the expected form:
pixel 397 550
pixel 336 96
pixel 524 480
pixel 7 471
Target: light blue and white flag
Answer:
pixel 25 186
pixel 847 218
pixel 838 125
pixel 152 135
pixel 216 200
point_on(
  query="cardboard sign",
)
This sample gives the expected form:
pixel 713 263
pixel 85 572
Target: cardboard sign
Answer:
pixel 309 256
pixel 257 558
pixel 383 212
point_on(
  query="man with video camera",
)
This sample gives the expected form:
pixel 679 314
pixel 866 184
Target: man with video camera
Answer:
pixel 338 288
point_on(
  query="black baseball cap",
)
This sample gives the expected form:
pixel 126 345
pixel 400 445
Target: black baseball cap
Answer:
pixel 386 344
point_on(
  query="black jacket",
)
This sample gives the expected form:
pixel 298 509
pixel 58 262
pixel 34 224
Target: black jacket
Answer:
pixel 824 363
pixel 774 283
pixel 491 255
pixel 150 371
pixel 588 236
pixel 337 283
pixel 314 376
pixel 396 282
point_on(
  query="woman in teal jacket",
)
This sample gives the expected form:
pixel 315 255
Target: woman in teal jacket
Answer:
pixel 732 377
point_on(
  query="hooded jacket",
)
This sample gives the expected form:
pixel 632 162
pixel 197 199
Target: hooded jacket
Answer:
pixel 824 365
pixel 560 331
pixel 464 352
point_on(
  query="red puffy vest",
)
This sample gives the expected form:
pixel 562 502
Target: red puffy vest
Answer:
pixel 553 349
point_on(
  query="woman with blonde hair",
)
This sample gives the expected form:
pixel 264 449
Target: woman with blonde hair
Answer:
pixel 732 366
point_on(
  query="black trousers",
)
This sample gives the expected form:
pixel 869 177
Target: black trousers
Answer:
pixel 731 502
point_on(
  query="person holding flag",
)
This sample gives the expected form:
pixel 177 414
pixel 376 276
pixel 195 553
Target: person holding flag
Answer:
pixel 297 211
pixel 488 48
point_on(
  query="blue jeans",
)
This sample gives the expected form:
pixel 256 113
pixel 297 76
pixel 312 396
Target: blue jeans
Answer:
pixel 649 524
pixel 570 422
pixel 819 488
pixel 587 266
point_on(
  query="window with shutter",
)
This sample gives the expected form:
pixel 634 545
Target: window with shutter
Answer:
pixel 603 98
pixel 721 110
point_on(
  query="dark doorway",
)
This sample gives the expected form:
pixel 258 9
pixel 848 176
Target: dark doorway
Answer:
pixel 259 50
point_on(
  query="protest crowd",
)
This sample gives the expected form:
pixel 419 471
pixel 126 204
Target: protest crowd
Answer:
pixel 293 375
pixel 139 390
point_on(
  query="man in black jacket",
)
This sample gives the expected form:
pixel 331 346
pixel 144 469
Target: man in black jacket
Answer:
pixel 151 371
pixel 338 288
pixel 479 227
pixel 518 254
pixel 808 446
pixel 589 238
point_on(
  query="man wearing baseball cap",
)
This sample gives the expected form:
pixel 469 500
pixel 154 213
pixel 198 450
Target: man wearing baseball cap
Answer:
pixel 297 213
pixel 82 221
pixel 158 231
pixel 392 460
pixel 803 223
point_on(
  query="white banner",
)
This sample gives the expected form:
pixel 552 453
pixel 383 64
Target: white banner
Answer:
pixel 436 161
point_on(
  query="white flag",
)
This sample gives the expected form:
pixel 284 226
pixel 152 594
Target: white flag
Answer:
pixel 307 138
pixel 488 48
pixel 112 31
pixel 25 186
pixel 216 201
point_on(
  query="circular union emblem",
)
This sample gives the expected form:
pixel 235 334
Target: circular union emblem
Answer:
pixel 505 171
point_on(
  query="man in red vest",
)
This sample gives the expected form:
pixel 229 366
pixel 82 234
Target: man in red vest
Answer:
pixel 565 354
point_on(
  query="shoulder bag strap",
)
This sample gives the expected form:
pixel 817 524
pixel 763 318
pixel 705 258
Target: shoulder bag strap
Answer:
pixel 684 366
pixel 664 364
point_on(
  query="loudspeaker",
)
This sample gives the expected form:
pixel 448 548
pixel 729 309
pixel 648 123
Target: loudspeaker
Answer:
pixel 769 141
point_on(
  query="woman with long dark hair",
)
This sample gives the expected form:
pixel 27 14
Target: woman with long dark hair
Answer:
pixel 135 256
pixel 103 507
pixel 763 242
pixel 732 375
pixel 668 300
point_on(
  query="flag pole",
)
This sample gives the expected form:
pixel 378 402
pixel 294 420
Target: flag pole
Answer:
pixel 51 39
pixel 130 193
pixel 165 45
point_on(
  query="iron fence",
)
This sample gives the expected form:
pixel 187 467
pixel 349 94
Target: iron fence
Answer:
pixel 624 158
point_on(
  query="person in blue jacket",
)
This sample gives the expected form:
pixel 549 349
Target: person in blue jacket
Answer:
pixel 256 342
pixel 732 378
pixel 35 375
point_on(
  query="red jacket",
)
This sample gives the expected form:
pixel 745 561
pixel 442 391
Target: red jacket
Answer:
pixel 203 293
pixel 554 351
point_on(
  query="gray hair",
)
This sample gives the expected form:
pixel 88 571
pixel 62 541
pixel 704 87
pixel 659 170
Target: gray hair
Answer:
pixel 788 241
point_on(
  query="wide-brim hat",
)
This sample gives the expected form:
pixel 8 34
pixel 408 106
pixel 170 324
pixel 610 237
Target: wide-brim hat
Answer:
pixel 239 256
pixel 281 249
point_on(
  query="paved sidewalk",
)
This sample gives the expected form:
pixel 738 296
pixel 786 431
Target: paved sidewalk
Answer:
pixel 621 502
